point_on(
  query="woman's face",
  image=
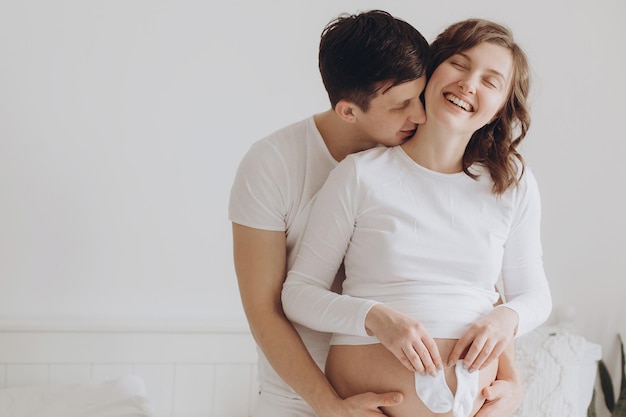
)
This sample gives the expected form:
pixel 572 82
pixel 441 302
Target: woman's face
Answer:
pixel 467 90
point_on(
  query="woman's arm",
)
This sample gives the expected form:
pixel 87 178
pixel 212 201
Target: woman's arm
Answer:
pixel 524 283
pixel 306 295
pixel 526 291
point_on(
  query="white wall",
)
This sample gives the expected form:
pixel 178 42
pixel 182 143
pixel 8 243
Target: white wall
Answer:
pixel 123 123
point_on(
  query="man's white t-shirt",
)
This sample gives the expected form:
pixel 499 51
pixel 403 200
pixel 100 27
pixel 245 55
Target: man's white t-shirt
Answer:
pixel 274 188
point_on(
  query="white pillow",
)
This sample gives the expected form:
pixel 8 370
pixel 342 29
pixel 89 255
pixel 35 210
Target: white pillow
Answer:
pixel 559 371
pixel 122 397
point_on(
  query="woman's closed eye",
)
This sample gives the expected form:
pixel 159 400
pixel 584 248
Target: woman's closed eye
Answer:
pixel 491 83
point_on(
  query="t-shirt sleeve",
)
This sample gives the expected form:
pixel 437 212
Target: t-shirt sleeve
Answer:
pixel 259 192
pixel 307 298
pixel 525 285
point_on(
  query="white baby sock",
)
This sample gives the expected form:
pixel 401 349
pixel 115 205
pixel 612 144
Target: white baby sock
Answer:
pixel 436 395
pixel 434 391
pixel 466 391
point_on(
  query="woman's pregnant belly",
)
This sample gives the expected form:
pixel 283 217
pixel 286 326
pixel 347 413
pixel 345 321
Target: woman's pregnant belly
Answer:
pixel 356 369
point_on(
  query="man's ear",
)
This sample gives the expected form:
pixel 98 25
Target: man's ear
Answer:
pixel 346 111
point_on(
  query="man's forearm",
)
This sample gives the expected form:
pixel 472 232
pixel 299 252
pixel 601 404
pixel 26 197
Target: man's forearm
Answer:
pixel 260 260
pixel 289 357
pixel 507 365
pixel 506 394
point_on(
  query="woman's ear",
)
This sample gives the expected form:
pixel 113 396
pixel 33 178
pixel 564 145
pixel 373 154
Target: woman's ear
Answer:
pixel 346 111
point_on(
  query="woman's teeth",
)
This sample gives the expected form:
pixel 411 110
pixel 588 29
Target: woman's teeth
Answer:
pixel 462 104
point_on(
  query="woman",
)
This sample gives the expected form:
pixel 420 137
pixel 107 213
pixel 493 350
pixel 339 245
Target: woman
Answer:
pixel 427 228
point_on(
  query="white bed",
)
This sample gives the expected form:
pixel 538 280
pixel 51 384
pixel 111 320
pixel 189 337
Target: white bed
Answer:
pixel 187 372
pixel 182 371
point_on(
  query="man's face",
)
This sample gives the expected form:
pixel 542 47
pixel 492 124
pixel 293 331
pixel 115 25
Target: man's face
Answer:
pixel 394 114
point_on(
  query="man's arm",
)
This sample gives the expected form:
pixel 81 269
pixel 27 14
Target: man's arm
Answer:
pixel 260 264
pixel 506 394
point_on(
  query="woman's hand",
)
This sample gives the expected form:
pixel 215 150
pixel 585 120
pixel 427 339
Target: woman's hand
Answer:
pixel 405 337
pixel 486 339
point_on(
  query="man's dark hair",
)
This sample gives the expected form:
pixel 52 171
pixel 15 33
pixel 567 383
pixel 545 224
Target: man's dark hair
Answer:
pixel 361 53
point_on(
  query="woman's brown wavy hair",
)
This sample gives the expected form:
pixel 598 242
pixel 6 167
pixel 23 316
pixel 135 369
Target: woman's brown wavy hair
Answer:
pixel 494 145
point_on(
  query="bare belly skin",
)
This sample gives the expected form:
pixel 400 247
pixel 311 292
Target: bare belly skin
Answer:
pixel 355 369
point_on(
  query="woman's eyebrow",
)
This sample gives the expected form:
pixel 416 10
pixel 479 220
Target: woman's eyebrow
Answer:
pixel 492 71
pixel 497 74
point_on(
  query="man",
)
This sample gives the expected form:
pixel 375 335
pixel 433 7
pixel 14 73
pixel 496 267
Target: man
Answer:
pixel 373 67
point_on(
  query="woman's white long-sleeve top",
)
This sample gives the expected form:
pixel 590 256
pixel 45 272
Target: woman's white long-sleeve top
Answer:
pixel 428 244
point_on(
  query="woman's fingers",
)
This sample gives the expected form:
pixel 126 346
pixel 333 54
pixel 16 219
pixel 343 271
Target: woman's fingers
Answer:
pixel 418 358
pixel 461 346
pixel 495 354
pixel 414 359
pixel 427 360
pixel 406 338
pixel 430 344
pixel 482 348
pixel 423 358
pixel 479 352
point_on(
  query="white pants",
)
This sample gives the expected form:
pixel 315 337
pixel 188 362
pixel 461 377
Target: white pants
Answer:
pixel 274 405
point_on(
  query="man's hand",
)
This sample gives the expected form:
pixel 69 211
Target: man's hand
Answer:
pixel 503 396
pixel 363 405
